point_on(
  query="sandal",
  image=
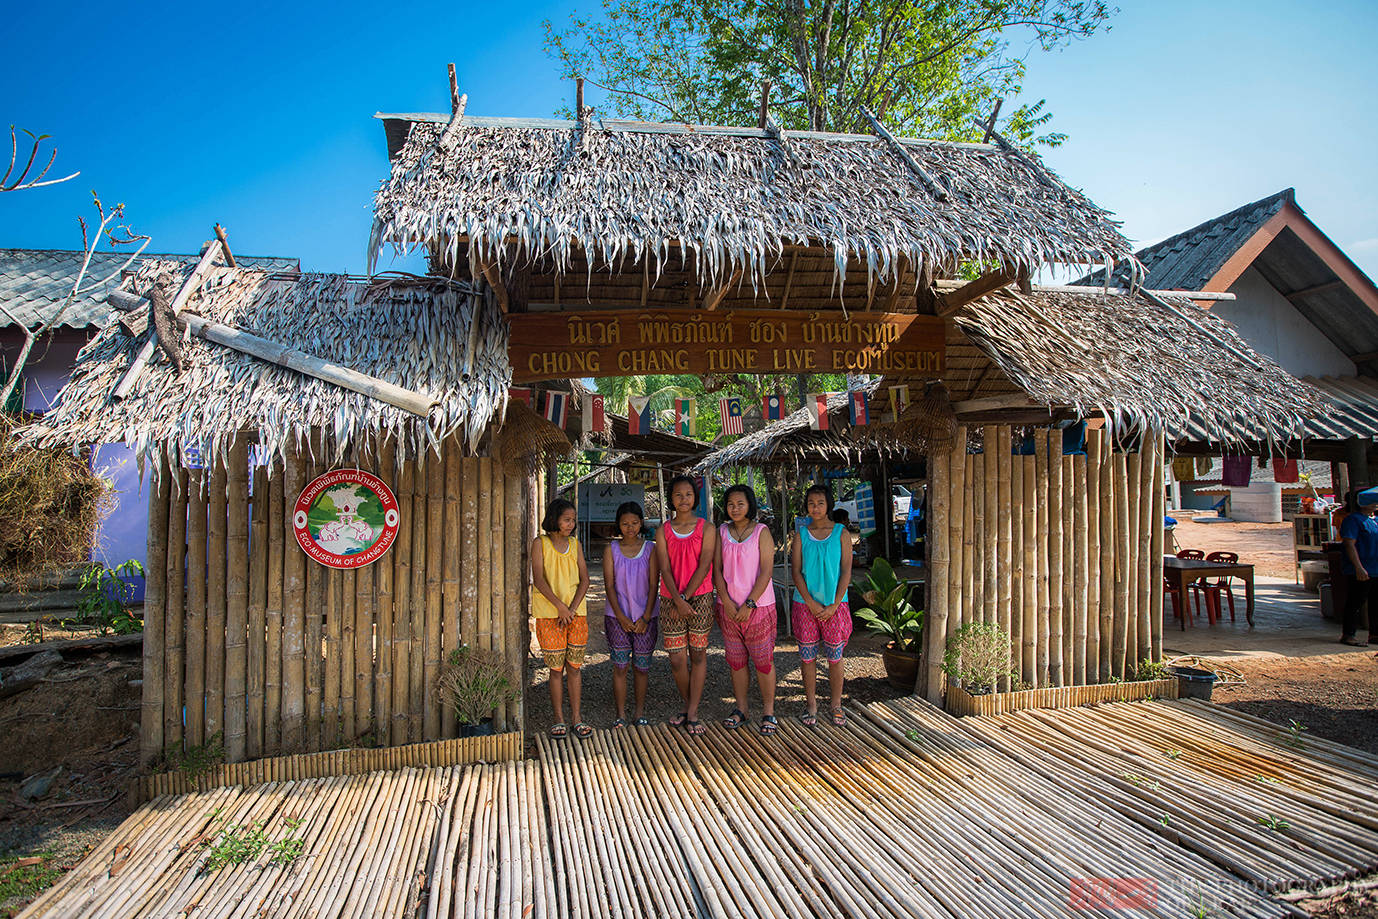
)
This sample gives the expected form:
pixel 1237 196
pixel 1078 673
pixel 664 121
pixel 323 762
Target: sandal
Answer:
pixel 809 718
pixel 642 722
pixel 583 730
pixel 695 728
pixel 620 723
pixel 679 720
pixel 559 730
pixel 734 720
pixel 1353 642
pixel 769 725
pixel 839 718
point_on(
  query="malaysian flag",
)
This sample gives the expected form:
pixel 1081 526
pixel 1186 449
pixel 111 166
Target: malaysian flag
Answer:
pixel 639 415
pixel 686 422
pixel 595 419
pixel 817 404
pixel 858 408
pixel 556 408
pixel 731 411
pixel 773 407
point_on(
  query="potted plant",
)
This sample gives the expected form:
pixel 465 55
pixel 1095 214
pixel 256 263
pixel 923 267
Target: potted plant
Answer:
pixel 473 683
pixel 890 613
pixel 978 657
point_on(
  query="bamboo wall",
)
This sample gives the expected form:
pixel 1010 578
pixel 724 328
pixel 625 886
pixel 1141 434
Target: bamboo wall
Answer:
pixel 1081 538
pixel 248 638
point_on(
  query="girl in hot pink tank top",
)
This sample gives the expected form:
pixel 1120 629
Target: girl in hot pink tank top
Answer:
pixel 746 612
pixel 684 552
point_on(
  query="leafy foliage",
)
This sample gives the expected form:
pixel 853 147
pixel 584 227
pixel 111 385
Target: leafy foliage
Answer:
pixel 978 655
pixel 475 682
pixel 1149 669
pixel 240 844
pixel 27 876
pixel 925 67
pixel 193 760
pixel 106 595
pixel 889 611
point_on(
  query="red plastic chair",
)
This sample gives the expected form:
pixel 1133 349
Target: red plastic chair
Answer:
pixel 1175 595
pixel 1193 554
pixel 1196 589
pixel 1221 586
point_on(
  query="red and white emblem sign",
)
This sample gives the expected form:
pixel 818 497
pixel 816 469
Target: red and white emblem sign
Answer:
pixel 346 518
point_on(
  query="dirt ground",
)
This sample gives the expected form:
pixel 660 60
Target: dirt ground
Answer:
pixel 1266 546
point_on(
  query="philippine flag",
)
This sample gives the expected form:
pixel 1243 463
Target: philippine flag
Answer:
pixel 731 411
pixel 859 408
pixel 817 404
pixel 686 420
pixel 772 407
pixel 556 408
pixel 595 419
pixel 639 415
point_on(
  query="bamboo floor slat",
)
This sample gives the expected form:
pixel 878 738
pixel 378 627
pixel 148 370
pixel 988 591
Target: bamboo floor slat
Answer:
pixel 907 811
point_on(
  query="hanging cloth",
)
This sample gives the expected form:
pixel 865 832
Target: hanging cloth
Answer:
pixel 1204 465
pixel 1184 469
pixel 1285 471
pixel 1237 470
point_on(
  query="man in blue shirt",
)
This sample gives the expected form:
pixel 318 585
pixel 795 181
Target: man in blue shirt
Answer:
pixel 1359 531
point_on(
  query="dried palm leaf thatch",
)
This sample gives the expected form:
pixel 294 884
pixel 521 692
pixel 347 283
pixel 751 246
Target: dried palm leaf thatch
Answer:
pixel 928 424
pixel 505 189
pixel 1142 362
pixel 528 439
pixel 51 503
pixel 415 333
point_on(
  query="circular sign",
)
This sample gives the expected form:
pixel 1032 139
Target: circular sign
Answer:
pixel 346 518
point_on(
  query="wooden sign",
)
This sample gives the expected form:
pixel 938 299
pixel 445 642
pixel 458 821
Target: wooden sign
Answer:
pixel 346 518
pixel 618 343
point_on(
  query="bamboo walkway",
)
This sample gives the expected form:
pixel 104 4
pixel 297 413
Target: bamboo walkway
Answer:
pixel 1146 809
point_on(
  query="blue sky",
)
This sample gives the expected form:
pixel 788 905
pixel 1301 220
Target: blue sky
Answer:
pixel 259 116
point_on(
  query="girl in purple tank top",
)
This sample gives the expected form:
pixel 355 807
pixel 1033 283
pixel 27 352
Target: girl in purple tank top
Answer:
pixel 746 603
pixel 632 612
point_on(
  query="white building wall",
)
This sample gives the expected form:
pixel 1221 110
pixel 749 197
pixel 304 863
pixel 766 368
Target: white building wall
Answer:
pixel 1272 325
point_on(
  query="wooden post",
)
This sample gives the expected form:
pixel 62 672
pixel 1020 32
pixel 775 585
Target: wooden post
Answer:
pixel 1004 512
pixel 1043 537
pixel 1030 525
pixel 382 684
pixel 151 728
pixel 1057 541
pixel 174 601
pixel 364 617
pixel 416 680
pixel 1094 444
pixel 258 605
pixel 1155 574
pixel 401 602
pixel 272 694
pixel 515 594
pixel 1120 637
pixel 293 613
pixel 1080 574
pixel 195 692
pixel 499 579
pixel 435 529
pixel 450 563
pixel 939 547
pixel 236 598
pixel 216 602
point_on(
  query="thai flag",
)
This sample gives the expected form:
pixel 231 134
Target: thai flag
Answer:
pixel 639 415
pixel 731 411
pixel 858 407
pixel 686 420
pixel 773 407
pixel 595 419
pixel 817 404
pixel 556 408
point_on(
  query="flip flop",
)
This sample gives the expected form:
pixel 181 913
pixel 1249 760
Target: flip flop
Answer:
pixel 583 730
pixel 769 725
pixel 1353 642
pixel 839 717
pixel 559 730
pixel 695 728
pixel 809 718
pixel 620 723
pixel 642 722
pixel 734 720
pixel 679 720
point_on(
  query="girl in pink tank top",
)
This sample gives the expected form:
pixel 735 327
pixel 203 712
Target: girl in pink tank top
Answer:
pixel 746 603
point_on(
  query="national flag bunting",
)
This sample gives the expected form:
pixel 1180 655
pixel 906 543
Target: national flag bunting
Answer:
pixel 773 407
pixel 817 404
pixel 731 411
pixel 639 415
pixel 686 421
pixel 556 408
pixel 899 400
pixel 858 408
pixel 520 394
pixel 595 419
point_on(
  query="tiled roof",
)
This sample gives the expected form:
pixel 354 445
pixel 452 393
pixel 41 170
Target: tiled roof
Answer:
pixel 34 282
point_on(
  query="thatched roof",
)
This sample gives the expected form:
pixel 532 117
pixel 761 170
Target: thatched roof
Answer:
pixel 410 332
pixel 1144 364
pixel 734 196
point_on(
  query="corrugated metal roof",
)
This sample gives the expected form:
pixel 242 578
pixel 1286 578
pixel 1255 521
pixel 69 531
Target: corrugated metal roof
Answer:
pixel 34 282
pixel 1354 412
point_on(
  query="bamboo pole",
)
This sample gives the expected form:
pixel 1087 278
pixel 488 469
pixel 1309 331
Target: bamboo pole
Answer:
pixel 1081 575
pixel 256 649
pixel 332 641
pixel 1057 540
pixel 382 685
pixel 956 527
pixel 1094 447
pixel 499 578
pixel 272 695
pixel 1120 635
pixel 1155 574
pixel 346 589
pixel 1031 524
pixel 469 558
pixel 484 539
pixel 237 599
pixel 364 616
pixel 401 601
pixel 216 600
pixel 1001 559
pixel 971 558
pixel 316 575
pixel 293 612
pixel 939 539
pixel 991 526
pixel 1043 538
pixel 450 568
pixel 1018 510
pixel 419 554
pixel 1069 555
pixel 1109 518
pixel 151 730
pixel 1148 467
pixel 1133 483
pixel 513 596
pixel 435 530
pixel 174 602
pixel 195 693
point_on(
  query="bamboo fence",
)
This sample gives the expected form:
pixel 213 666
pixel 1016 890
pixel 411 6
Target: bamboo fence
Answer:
pixel 255 647
pixel 905 811
pixel 1063 552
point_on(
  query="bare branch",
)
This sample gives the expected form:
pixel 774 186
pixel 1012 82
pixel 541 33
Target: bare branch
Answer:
pixel 23 181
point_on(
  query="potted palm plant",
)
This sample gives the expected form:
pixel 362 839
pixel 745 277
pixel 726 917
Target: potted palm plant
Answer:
pixel 473 683
pixel 890 613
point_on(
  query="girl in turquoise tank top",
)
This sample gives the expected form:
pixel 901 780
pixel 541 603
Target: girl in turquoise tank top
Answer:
pixel 821 565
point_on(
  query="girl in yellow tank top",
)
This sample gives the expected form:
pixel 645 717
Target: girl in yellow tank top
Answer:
pixel 559 581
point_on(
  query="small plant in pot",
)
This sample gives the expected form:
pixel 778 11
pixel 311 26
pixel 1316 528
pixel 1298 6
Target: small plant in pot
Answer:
pixel 978 657
pixel 473 683
pixel 890 613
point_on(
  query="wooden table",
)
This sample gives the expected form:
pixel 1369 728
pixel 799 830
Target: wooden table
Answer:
pixel 1182 571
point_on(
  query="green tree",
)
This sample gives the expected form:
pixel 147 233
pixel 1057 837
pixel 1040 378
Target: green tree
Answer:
pixel 925 67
